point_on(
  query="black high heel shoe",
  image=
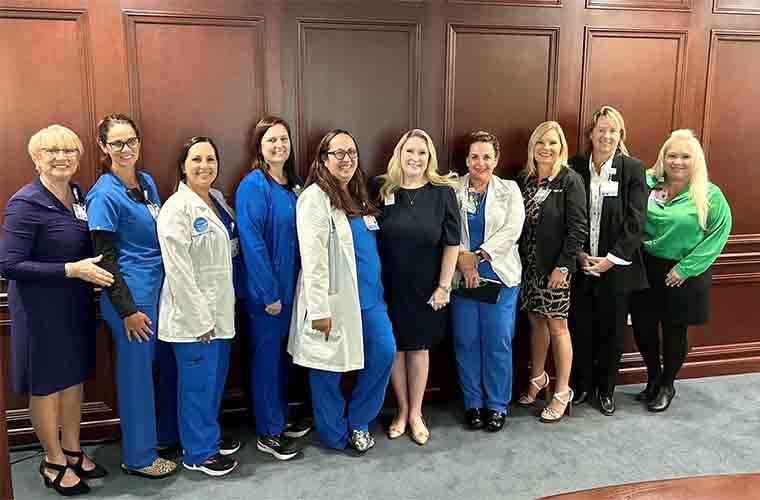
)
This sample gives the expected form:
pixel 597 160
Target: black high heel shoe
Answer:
pixel 662 401
pixel 649 392
pixel 80 488
pixel 78 466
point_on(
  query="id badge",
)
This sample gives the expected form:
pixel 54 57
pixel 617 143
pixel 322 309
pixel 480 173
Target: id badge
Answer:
pixel 153 209
pixel 660 196
pixel 470 207
pixel 609 188
pixel 371 222
pixel 390 199
pixel 541 195
pixel 79 211
pixel 235 247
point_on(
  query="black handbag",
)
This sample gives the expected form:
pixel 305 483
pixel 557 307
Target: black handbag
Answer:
pixel 487 291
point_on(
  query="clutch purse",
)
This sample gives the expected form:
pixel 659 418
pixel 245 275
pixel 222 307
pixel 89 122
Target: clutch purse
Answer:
pixel 487 291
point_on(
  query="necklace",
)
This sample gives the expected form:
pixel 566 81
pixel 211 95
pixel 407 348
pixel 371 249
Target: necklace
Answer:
pixel 408 197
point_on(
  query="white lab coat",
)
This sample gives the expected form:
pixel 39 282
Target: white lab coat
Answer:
pixel 198 292
pixel 327 287
pixel 505 215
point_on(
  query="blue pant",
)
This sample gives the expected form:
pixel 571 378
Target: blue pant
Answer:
pixel 201 373
pixel 483 346
pixel 270 364
pixel 135 362
pixel 332 421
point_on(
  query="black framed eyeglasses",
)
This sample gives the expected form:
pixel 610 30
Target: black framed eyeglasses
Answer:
pixel 136 195
pixel 341 154
pixel 132 142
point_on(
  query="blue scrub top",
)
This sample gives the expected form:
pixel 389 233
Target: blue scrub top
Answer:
pixel 476 224
pixel 367 263
pixel 109 208
pixel 238 273
pixel 266 219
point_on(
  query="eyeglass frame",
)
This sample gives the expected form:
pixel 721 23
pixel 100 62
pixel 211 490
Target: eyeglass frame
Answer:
pixel 135 140
pixel 336 152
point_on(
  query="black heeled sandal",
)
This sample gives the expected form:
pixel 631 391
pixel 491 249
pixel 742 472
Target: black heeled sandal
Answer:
pixel 78 467
pixel 81 488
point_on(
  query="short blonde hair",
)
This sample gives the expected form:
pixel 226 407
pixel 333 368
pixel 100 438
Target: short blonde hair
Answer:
pixel 538 133
pixel 615 117
pixel 698 181
pixel 393 177
pixel 54 136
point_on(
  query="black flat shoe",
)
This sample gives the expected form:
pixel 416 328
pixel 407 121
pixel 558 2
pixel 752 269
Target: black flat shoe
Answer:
pixel 662 401
pixel 473 417
pixel 78 466
pixel 581 397
pixel 496 420
pixel 607 405
pixel 80 488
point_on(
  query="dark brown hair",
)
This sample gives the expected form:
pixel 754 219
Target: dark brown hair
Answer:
pixel 104 126
pixel 254 148
pixel 356 200
pixel 481 136
pixel 183 152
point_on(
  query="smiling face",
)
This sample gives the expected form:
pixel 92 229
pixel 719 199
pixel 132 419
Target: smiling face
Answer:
pixel 57 162
pixel 342 169
pixel 679 161
pixel 275 145
pixel 201 166
pixel 122 145
pixel 605 137
pixel 414 158
pixel 481 161
pixel 547 149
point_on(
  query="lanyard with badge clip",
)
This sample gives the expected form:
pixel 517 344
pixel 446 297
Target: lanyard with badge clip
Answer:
pixel 79 210
pixel 543 192
pixel 140 195
pixel 659 192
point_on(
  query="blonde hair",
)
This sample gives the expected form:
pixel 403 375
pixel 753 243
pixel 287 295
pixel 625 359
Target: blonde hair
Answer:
pixel 615 117
pixel 56 136
pixel 393 177
pixel 538 133
pixel 698 179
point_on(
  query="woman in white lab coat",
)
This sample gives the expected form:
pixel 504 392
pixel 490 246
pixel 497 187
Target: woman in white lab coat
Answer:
pixel 340 320
pixel 198 242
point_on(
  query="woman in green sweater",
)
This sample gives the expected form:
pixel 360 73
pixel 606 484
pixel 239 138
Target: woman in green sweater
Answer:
pixel 688 222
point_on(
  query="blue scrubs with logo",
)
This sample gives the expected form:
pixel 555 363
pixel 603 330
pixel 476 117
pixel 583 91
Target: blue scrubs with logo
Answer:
pixel 109 208
pixel 266 218
pixel 202 369
pixel 332 419
pixel 483 332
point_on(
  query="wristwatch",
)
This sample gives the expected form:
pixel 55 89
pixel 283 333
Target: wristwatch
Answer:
pixel 446 289
pixel 563 270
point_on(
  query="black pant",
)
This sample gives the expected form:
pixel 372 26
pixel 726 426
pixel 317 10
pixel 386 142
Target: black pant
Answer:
pixel 675 345
pixel 597 329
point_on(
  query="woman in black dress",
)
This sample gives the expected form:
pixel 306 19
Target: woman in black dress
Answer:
pixel 47 256
pixel 419 245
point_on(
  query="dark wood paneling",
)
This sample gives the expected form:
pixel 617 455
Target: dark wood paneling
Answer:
pixel 641 73
pixel 502 79
pixel 731 155
pixel 736 6
pixel 376 102
pixel 184 71
pixel 674 5
pixel 513 3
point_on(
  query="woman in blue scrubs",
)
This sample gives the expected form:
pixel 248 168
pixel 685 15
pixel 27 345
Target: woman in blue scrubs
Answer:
pixel 122 208
pixel 492 215
pixel 265 203
pixel 340 320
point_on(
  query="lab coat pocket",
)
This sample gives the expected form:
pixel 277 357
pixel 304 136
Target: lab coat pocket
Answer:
pixel 318 351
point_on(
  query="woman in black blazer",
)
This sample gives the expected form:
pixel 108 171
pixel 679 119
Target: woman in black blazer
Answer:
pixel 553 233
pixel 610 262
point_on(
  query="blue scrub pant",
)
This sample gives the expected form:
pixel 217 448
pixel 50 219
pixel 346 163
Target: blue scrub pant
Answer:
pixel 332 421
pixel 135 362
pixel 270 364
pixel 201 374
pixel 483 346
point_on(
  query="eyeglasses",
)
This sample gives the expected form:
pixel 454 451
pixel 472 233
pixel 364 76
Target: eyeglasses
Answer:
pixel 132 142
pixel 341 154
pixel 53 152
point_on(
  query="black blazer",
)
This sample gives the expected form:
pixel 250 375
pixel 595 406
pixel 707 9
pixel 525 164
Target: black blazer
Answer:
pixel 622 223
pixel 562 223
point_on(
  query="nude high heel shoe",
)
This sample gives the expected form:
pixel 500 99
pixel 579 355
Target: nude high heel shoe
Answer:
pixel 549 415
pixel 525 398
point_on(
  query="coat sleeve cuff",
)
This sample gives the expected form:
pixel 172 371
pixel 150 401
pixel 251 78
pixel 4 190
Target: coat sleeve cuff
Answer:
pixel 617 260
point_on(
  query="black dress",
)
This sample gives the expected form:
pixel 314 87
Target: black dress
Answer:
pixel 415 226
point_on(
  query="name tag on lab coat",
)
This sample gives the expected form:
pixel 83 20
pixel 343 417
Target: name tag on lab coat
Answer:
pixel 609 188
pixel 235 247
pixel 371 222
pixel 79 211
pixel 390 199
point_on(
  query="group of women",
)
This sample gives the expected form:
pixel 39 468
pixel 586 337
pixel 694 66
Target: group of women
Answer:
pixel 342 273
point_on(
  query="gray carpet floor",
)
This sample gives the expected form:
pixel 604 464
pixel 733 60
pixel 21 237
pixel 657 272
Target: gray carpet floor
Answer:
pixel 713 427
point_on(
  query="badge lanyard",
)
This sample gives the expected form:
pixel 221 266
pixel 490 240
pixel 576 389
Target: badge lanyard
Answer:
pixel 79 210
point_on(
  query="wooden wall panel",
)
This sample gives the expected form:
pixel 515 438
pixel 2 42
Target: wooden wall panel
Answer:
pixel 183 71
pixel 376 102
pixel 736 7
pixel 731 155
pixel 673 5
pixel 513 3
pixel 501 79
pixel 641 73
